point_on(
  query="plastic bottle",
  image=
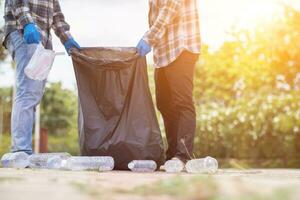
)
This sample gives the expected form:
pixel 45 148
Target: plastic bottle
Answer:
pixel 203 165
pixel 15 160
pixel 54 162
pixel 142 166
pixel 39 161
pixel 77 163
pixel 174 166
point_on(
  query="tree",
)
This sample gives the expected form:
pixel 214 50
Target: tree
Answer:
pixel 58 109
pixel 2 50
pixel 247 93
pixel 4 98
pixel 5 109
pixel 252 61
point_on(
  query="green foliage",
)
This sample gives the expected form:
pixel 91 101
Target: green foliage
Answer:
pixel 58 115
pixel 3 53
pixel 4 144
pixel 59 109
pixel 247 93
pixel 265 127
pixel 2 49
pixel 5 109
pixel 67 143
pixel 251 60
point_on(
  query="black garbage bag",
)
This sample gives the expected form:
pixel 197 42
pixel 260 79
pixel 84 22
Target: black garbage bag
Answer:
pixel 116 112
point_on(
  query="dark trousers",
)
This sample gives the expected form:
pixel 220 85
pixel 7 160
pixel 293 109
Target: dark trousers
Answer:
pixel 174 96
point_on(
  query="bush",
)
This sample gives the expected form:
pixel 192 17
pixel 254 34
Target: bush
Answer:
pixel 267 126
pixel 247 93
pixel 68 143
pixel 59 109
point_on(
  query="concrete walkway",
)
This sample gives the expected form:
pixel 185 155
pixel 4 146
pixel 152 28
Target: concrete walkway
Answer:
pixel 227 184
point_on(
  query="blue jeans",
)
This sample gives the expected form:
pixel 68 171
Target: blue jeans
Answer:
pixel 28 94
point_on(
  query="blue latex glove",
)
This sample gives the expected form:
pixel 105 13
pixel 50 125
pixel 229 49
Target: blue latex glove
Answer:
pixel 71 44
pixel 31 34
pixel 143 48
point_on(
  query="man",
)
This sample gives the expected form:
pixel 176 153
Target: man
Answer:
pixel 28 23
pixel 174 35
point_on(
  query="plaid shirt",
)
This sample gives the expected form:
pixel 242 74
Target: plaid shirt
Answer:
pixel 46 14
pixel 174 27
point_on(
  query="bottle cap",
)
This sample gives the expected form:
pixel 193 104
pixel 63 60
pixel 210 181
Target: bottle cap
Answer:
pixel 131 165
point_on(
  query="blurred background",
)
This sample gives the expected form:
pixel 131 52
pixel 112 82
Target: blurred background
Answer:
pixel 247 86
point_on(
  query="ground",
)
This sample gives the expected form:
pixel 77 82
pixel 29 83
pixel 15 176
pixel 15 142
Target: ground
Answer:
pixel 226 184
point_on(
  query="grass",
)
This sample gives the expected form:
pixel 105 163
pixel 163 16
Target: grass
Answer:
pixel 85 188
pixel 10 179
pixel 202 188
pixel 174 188
pixel 177 188
pixel 198 187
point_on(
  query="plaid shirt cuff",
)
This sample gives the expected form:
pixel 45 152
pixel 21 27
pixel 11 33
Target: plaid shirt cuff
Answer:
pixel 149 39
pixel 25 19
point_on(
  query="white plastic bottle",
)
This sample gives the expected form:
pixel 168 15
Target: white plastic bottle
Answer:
pixel 55 162
pixel 15 160
pixel 142 166
pixel 39 161
pixel 77 163
pixel 174 166
pixel 203 165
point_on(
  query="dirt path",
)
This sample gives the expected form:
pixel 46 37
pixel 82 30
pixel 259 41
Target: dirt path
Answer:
pixel 62 185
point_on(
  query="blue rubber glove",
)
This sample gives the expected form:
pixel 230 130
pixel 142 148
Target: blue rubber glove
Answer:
pixel 31 34
pixel 71 44
pixel 143 48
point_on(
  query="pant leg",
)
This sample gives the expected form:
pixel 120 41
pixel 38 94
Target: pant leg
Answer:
pixel 180 78
pixel 28 95
pixel 163 101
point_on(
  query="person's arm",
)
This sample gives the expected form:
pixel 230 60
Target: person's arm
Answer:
pixel 21 11
pixel 62 28
pixel 59 25
pixel 167 13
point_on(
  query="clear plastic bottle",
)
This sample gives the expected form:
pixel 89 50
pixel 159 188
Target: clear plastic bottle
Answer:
pixel 174 166
pixel 77 163
pixel 142 166
pixel 203 165
pixel 54 162
pixel 15 160
pixel 39 161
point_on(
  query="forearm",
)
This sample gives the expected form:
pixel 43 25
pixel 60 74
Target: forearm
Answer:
pixel 21 12
pixel 60 26
pixel 167 13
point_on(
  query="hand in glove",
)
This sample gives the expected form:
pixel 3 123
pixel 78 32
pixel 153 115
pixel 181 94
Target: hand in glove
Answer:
pixel 71 44
pixel 31 34
pixel 143 48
